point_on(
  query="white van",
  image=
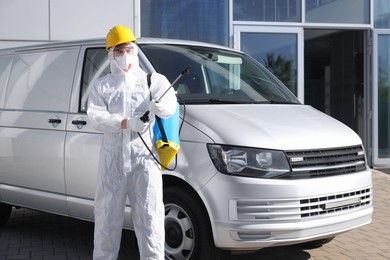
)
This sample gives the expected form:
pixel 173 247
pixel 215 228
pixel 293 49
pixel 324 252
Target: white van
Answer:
pixel 256 168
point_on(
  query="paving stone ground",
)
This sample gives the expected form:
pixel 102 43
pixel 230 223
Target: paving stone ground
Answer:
pixel 36 235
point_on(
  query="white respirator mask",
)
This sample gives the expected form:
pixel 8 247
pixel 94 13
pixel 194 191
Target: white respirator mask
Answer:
pixel 126 58
pixel 125 61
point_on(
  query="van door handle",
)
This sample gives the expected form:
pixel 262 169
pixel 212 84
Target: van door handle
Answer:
pixel 79 122
pixel 54 121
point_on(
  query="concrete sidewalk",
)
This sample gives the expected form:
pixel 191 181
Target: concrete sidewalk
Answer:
pixel 36 235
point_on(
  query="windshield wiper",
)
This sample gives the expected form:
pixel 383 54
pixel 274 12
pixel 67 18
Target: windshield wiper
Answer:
pixel 224 101
pixel 214 101
pixel 282 102
pixel 275 102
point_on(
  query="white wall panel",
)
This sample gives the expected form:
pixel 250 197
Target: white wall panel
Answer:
pixel 24 20
pixel 13 44
pixel 75 19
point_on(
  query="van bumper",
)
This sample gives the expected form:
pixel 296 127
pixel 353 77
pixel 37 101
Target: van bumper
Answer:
pixel 249 213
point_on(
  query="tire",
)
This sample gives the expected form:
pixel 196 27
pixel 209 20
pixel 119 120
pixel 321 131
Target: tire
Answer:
pixel 5 212
pixel 187 228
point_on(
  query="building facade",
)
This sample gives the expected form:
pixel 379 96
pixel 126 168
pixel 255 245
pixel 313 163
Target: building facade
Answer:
pixel 332 54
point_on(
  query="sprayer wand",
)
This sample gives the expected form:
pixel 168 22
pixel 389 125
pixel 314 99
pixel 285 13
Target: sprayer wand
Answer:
pixel 185 71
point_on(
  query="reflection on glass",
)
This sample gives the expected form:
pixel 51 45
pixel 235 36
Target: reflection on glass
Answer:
pixel 200 20
pixel 382 14
pixel 217 76
pixel 338 11
pixel 265 10
pixel 334 74
pixel 384 96
pixel 277 52
pixel 96 66
pixel 5 66
pixel 30 84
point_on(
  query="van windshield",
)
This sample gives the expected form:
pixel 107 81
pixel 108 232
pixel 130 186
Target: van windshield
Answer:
pixel 217 76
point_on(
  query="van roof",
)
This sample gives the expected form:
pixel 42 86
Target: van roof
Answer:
pixel 101 41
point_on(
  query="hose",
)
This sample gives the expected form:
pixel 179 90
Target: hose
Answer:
pixel 180 127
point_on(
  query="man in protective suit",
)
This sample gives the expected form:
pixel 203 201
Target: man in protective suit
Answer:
pixel 126 168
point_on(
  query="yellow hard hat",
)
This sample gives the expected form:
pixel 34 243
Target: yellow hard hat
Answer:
pixel 119 34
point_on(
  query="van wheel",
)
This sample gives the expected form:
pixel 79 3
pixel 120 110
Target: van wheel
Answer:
pixel 187 228
pixel 5 213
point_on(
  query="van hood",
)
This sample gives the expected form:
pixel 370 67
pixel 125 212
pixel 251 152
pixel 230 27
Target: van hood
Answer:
pixel 282 127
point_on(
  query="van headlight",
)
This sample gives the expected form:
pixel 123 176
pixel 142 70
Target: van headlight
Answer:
pixel 249 162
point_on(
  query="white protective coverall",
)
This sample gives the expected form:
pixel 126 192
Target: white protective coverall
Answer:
pixel 126 168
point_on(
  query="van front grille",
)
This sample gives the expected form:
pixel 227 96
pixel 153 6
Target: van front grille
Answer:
pixel 326 162
pixel 297 209
pixel 332 204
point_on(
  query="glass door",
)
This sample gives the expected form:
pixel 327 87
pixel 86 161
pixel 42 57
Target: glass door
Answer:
pixel 381 98
pixel 335 78
pixel 278 49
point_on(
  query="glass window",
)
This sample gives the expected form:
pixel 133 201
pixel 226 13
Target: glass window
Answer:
pixel 5 67
pixel 383 96
pixel 217 76
pixel 277 52
pixel 32 76
pixel 201 20
pixel 382 14
pixel 334 74
pixel 96 65
pixel 265 10
pixel 338 11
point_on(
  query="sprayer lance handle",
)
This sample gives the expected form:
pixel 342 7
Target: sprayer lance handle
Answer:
pixel 186 70
pixel 145 117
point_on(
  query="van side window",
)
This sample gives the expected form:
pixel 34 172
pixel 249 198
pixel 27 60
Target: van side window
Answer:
pixel 96 65
pixel 41 80
pixel 5 67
